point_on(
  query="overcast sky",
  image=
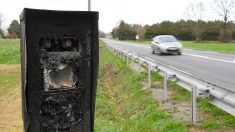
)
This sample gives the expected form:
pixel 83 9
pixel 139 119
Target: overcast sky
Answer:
pixel 111 11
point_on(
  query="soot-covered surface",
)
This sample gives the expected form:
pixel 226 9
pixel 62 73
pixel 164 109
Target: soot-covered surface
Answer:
pixel 59 57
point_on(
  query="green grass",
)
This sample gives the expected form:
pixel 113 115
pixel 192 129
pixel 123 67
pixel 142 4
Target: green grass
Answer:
pixel 216 119
pixel 219 118
pixel 8 81
pixel 121 105
pixel 208 46
pixel 125 107
pixel 211 46
pixel 9 51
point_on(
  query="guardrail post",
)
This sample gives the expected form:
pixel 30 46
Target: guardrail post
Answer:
pixel 139 65
pixel 116 52
pixel 127 57
pixel 165 86
pixel 194 104
pixel 149 74
pixel 123 55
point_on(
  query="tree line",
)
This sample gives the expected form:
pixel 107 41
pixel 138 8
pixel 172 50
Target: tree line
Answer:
pixel 193 28
pixel 127 31
pixel 13 30
pixel 182 29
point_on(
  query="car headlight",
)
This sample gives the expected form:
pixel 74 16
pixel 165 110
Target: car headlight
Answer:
pixel 163 47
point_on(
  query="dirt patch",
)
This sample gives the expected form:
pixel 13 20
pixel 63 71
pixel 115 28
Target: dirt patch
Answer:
pixel 10 114
pixel 10 104
pixel 12 68
pixel 180 110
pixel 193 129
pixel 158 94
pixel 109 85
pixel 136 68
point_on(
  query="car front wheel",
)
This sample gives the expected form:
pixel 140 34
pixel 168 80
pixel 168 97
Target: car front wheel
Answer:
pixel 159 52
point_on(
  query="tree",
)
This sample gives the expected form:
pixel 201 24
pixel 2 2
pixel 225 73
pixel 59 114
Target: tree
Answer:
pixel 1 31
pixel 14 29
pixel 125 31
pixel 140 31
pixel 194 13
pixel 101 34
pixel 225 9
pixel 183 30
pixel 212 30
pixel 114 32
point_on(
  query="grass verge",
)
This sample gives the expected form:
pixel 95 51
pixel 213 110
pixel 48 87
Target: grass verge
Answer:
pixel 211 118
pixel 211 46
pixel 9 51
pixel 10 99
pixel 122 105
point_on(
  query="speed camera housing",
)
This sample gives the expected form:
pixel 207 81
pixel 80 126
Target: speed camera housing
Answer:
pixel 59 59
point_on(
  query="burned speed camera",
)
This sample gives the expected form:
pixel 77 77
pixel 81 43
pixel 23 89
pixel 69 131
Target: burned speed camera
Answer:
pixel 59 59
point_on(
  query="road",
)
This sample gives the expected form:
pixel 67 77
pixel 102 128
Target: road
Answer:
pixel 218 68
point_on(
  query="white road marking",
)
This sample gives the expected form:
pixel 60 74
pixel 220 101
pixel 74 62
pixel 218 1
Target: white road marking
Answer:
pixel 205 57
pixel 194 55
pixel 142 46
pixel 213 52
pixel 148 58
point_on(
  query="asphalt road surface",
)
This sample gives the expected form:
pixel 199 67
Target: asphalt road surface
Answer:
pixel 218 68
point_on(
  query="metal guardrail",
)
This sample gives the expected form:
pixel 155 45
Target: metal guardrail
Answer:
pixel 217 95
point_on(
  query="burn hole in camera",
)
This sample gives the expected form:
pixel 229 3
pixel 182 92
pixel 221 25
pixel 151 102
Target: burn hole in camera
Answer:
pixel 59 43
pixel 60 62
pixel 60 111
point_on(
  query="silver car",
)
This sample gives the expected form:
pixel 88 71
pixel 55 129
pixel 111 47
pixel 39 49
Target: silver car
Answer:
pixel 166 44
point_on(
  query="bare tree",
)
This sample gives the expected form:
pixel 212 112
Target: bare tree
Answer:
pixel 140 31
pixel 194 13
pixel 225 9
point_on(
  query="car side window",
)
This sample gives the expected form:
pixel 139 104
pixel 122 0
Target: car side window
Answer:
pixel 155 40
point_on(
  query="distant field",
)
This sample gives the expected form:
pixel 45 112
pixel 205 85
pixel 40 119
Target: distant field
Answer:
pixel 9 51
pixel 209 46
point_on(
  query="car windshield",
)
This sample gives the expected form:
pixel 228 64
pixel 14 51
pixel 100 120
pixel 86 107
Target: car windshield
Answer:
pixel 167 39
